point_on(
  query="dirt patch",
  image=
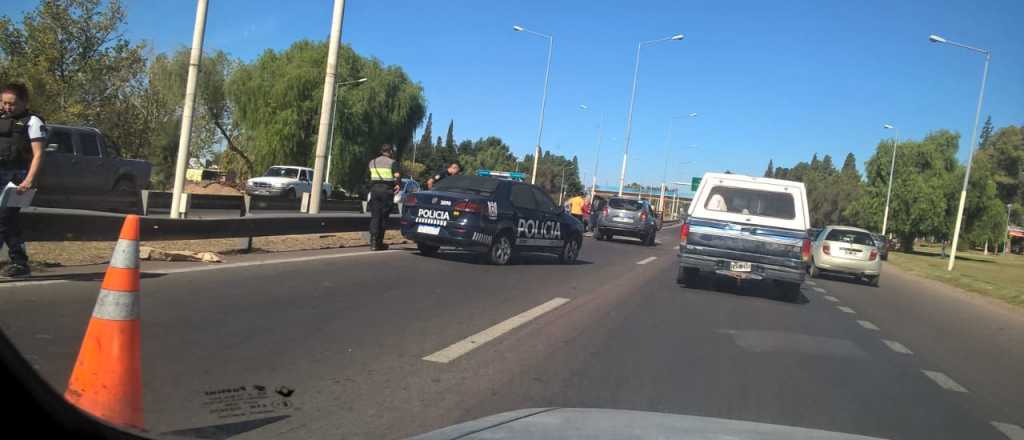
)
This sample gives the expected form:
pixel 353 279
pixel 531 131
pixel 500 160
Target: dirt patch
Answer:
pixel 80 253
pixel 211 188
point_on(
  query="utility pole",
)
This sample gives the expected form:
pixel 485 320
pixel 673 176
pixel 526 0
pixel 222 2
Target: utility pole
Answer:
pixel 185 136
pixel 326 106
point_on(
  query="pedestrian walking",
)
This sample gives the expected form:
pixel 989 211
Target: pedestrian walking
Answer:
pixel 384 179
pixel 22 137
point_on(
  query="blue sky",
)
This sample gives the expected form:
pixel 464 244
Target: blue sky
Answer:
pixel 770 80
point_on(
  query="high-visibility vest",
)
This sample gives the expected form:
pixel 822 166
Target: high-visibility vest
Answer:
pixel 380 169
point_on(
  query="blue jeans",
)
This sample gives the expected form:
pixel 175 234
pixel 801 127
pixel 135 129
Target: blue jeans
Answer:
pixel 10 227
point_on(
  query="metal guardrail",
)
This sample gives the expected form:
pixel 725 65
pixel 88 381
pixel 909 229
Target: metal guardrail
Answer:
pixel 49 227
pixel 144 202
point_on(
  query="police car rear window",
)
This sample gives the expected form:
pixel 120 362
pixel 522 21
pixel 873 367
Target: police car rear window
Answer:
pixel 629 205
pixel 482 186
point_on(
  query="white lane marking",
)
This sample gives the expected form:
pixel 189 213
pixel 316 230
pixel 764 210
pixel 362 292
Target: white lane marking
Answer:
pixel 846 309
pixel 1011 431
pixel 211 267
pixel 944 381
pixel 819 290
pixel 647 260
pixel 867 324
pixel 263 262
pixel 897 347
pixel 464 346
pixel 810 283
pixel 832 298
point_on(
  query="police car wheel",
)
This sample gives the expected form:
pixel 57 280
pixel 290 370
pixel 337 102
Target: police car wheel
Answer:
pixel 500 252
pixel 570 251
pixel 426 249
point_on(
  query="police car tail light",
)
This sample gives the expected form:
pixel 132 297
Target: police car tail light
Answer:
pixel 467 206
pixel 410 199
pixel 683 232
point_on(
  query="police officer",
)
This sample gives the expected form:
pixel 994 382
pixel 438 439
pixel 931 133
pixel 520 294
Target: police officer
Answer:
pixel 384 180
pixel 22 135
pixel 453 169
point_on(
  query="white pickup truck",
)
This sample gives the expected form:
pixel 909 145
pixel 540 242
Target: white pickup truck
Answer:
pixel 284 181
pixel 747 228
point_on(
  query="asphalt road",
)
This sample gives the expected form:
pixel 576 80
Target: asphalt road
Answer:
pixel 346 335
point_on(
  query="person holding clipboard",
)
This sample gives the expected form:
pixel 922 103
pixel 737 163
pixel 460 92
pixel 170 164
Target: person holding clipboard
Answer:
pixel 22 137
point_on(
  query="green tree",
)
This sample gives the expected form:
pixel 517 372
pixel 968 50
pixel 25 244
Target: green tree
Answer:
pixel 1005 151
pixel 924 196
pixel 276 103
pixel 489 153
pixel 770 172
pixel 986 132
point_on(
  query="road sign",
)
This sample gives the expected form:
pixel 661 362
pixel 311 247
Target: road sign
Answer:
pixel 694 183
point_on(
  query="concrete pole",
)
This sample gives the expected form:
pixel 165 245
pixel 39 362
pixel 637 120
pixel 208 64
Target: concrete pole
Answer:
pixel 1006 246
pixel 970 160
pixel 185 136
pixel 326 106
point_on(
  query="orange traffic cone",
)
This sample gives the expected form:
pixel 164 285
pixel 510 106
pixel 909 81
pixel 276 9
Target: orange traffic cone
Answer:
pixel 107 379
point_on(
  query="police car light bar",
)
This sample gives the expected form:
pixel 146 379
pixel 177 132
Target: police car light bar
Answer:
pixel 509 175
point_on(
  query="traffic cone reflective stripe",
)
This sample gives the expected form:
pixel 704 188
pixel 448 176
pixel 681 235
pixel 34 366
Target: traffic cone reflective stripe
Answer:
pixel 107 378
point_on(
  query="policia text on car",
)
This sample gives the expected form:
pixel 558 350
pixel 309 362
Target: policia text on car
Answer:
pixel 384 178
pixel 22 135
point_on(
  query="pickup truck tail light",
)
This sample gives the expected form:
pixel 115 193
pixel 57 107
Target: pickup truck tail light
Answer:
pixel 874 255
pixel 826 249
pixel 683 233
pixel 467 206
pixel 805 251
pixel 410 200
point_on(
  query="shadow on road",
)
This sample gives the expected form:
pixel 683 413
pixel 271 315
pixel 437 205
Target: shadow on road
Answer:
pixel 753 289
pixel 92 276
pixel 628 240
pixel 524 259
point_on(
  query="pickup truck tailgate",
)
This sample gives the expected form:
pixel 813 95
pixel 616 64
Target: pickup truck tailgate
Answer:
pixel 757 244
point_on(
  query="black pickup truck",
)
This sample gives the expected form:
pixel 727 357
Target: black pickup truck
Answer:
pixel 747 228
pixel 82 160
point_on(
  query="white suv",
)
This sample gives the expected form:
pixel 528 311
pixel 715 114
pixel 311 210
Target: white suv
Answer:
pixel 284 181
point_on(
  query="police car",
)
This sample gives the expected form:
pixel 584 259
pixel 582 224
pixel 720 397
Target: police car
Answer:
pixel 496 217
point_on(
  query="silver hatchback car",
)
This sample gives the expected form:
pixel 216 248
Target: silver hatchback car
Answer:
pixel 846 250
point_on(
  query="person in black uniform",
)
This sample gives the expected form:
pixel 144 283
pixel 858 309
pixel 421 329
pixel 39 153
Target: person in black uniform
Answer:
pixel 384 180
pixel 453 169
pixel 22 135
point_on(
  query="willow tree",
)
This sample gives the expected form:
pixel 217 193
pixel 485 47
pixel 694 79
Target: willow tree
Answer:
pixel 276 102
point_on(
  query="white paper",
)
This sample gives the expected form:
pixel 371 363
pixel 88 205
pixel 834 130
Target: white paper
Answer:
pixel 11 199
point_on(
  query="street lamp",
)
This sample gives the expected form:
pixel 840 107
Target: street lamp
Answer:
pixel 597 153
pixel 330 137
pixel 543 99
pixel 892 167
pixel 632 101
pixel 974 131
pixel 1006 246
pixel 668 148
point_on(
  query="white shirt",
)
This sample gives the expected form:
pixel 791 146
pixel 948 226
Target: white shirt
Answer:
pixel 37 130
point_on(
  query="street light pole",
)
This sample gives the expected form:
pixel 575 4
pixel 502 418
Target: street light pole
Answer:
pixel 974 131
pixel 668 148
pixel 597 154
pixel 892 168
pixel 561 193
pixel 632 101
pixel 543 99
pixel 185 136
pixel 1006 245
pixel 330 138
pixel 326 107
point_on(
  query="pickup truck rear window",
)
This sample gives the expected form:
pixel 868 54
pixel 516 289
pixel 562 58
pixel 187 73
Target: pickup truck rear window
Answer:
pixel 751 202
pixel 628 205
pixel 848 236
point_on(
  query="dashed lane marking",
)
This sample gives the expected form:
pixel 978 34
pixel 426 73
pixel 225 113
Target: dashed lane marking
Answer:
pixel 810 283
pixel 464 346
pixel 867 324
pixel 1011 431
pixel 897 347
pixel 647 260
pixel 831 298
pixel 944 381
pixel 819 290
pixel 846 309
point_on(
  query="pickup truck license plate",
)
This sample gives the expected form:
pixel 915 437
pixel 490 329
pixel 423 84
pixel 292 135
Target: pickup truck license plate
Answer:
pixel 739 266
pixel 431 230
pixel 623 219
